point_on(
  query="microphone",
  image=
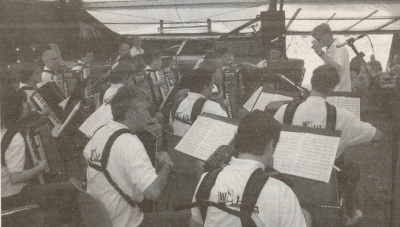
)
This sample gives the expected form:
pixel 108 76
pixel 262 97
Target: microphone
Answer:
pixel 351 40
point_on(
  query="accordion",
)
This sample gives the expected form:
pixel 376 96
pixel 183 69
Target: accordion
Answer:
pixel 146 79
pixel 78 81
pixel 232 90
pixel 42 146
pixel 47 98
pixel 61 82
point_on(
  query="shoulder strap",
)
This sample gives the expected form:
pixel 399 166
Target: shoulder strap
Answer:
pixel 5 142
pixel 290 111
pixel 104 161
pixel 331 116
pixel 25 88
pixel 203 193
pixel 196 109
pixel 251 193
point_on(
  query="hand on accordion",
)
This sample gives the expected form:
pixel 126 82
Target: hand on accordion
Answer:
pixel 158 83
pixel 42 165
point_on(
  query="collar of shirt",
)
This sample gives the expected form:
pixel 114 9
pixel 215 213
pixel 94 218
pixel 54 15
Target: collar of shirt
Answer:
pixel 316 100
pixel 149 68
pixel 195 95
pixel 246 164
pixel 54 72
pixel 333 45
pixel 23 85
pixel 114 126
pixel 81 63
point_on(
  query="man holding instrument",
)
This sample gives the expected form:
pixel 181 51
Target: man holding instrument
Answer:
pixel 315 112
pixel 120 173
pixel 276 204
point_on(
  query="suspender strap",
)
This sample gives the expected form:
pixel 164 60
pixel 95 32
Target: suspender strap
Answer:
pixel 5 142
pixel 289 112
pixel 203 193
pixel 104 161
pixel 331 117
pixel 251 193
pixel 26 88
pixel 196 109
pixel 330 111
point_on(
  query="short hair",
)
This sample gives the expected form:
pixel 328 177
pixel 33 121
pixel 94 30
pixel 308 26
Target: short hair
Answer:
pixel 128 97
pixel 255 131
pixel 84 51
pixel 222 50
pixel 122 70
pixel 26 70
pixel 323 28
pixel 150 55
pixel 49 54
pixel 324 79
pixel 209 45
pixel 197 79
pixel 11 106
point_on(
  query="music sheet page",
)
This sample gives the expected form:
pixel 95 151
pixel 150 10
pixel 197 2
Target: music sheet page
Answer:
pixel 99 118
pixel 306 155
pixel 266 98
pixel 250 103
pixel 205 136
pixel 351 104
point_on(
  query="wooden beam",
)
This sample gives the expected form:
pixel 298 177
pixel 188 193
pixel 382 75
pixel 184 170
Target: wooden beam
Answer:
pixel 236 30
pixel 292 19
pixel 368 16
pixel 388 23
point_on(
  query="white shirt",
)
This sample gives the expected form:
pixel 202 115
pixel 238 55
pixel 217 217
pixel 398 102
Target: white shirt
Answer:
pixel 130 168
pixel 277 205
pixel 341 57
pixel 15 162
pixel 184 111
pixel 111 92
pixel 136 51
pixel 312 113
pixel 46 77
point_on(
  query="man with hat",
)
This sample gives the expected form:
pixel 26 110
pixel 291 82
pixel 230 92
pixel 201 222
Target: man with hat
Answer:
pixel 334 56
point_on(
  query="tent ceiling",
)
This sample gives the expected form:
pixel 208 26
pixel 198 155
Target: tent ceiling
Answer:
pixel 190 16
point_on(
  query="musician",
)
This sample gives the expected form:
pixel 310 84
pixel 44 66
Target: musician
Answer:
pixel 136 46
pixel 277 205
pixel 14 175
pixel 51 65
pixel 200 85
pixel 30 76
pixel 118 78
pixel 334 56
pixel 225 55
pixel 153 61
pixel 123 51
pixel 128 164
pixel 208 48
pixel 313 113
pixel 86 58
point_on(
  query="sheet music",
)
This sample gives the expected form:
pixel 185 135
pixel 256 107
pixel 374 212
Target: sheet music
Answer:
pixel 205 136
pixel 306 155
pixel 250 103
pixel 99 118
pixel 351 104
pixel 266 98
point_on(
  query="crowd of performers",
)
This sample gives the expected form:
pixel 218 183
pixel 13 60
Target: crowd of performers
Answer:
pixel 134 108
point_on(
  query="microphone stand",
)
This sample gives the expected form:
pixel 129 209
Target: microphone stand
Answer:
pixel 361 56
pixel 301 89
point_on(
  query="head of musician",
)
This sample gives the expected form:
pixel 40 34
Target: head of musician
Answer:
pixel 274 54
pixel 13 107
pixel 30 74
pixel 130 107
pixel 121 73
pixel 153 59
pixel 213 63
pixel 324 80
pixel 50 59
pixel 124 49
pixel 136 41
pixel 200 81
pixel 225 55
pixel 209 47
pixel 323 34
pixel 86 56
pixel 257 135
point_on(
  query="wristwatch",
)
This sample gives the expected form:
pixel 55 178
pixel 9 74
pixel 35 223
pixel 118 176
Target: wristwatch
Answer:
pixel 321 53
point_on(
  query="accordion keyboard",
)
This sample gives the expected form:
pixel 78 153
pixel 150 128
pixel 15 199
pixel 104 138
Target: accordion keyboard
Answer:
pixel 38 99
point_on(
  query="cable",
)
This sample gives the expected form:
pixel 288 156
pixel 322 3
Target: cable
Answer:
pixel 372 45
pixel 179 16
pixel 289 43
